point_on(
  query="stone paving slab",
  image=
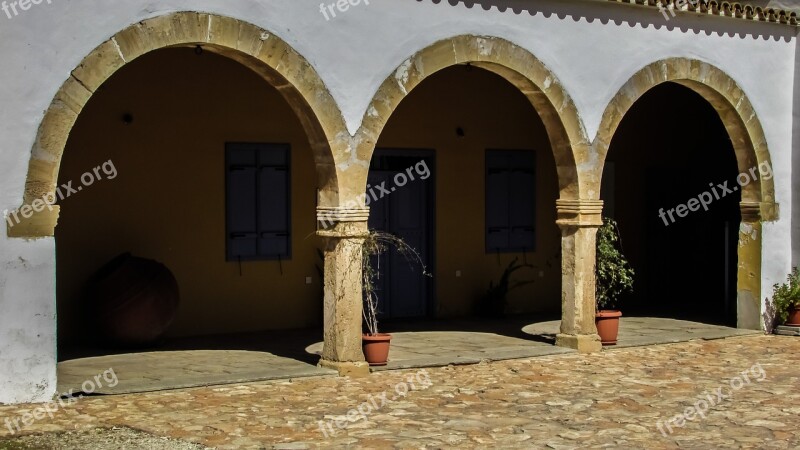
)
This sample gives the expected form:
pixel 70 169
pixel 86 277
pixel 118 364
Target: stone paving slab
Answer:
pixel 441 348
pixel 641 331
pixel 614 399
pixel 786 330
pixel 154 371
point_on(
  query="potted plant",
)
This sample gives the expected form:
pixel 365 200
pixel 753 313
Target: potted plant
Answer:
pixel 376 344
pixel 786 298
pixel 614 277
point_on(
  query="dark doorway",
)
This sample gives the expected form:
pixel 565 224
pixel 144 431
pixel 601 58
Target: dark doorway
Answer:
pixel 406 212
pixel 670 149
pixel 691 265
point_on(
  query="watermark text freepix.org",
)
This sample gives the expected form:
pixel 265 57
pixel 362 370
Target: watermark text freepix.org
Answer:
pixel 377 192
pixel 716 193
pixel 17 424
pixel 374 403
pixel 717 396
pixel 23 5
pixel 65 190
pixel 341 5
pixel 679 5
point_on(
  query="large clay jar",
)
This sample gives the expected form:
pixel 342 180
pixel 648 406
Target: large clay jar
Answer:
pixel 135 300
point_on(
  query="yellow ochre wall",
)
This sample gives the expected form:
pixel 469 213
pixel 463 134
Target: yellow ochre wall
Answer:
pixel 493 115
pixel 168 200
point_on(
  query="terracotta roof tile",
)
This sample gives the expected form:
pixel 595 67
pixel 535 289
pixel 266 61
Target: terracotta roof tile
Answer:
pixel 738 10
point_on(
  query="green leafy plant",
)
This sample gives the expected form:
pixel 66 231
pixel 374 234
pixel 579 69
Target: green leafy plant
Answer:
pixel 786 296
pixel 495 300
pixel 614 275
pixel 377 243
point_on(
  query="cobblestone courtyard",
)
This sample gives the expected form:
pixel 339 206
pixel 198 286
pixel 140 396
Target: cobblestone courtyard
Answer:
pixel 627 398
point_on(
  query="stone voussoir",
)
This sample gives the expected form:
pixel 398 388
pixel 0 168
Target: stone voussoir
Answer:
pixel 74 94
pixel 53 132
pixel 100 64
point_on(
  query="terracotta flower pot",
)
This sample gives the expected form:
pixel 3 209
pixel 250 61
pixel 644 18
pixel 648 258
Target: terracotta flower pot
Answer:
pixel 376 348
pixel 794 318
pixel 608 326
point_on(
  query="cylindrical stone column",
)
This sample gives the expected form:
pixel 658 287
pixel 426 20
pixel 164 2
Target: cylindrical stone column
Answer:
pixel 579 221
pixel 343 232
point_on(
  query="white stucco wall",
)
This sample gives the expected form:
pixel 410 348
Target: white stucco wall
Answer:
pixel 592 47
pixel 795 218
pixel 27 321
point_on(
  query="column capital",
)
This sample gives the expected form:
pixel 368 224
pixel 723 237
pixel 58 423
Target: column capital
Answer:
pixel 582 213
pixel 759 211
pixel 751 211
pixel 341 222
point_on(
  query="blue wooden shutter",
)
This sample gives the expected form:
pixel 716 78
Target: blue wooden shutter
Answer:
pixel 241 203
pixel 522 197
pixel 497 186
pixel 257 201
pixel 510 201
pixel 273 198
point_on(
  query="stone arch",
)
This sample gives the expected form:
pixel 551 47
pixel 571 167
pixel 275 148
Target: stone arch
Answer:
pixel 515 64
pixel 749 144
pixel 727 98
pixel 258 49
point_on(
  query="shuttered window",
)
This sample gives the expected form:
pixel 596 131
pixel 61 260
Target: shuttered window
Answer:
pixel 257 201
pixel 510 201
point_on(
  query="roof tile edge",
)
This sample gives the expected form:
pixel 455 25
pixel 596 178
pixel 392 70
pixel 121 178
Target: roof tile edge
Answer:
pixel 735 10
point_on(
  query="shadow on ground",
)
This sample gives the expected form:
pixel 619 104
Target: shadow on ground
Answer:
pixel 251 357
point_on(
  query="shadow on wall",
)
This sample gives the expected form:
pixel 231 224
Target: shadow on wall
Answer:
pixel 633 16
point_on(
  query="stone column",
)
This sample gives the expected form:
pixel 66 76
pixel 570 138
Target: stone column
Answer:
pixel 579 221
pixel 343 232
pixel 748 279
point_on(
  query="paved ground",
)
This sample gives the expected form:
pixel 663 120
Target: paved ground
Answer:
pixel 640 331
pixel 742 391
pixel 255 357
pixel 146 372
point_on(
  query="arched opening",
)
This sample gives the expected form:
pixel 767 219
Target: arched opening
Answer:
pixel 158 119
pixel 505 66
pixel 464 172
pixel 164 129
pixel 253 47
pixel 566 134
pixel 723 104
pixel 670 181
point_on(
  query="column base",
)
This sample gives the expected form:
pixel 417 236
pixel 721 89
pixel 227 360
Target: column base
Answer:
pixel 346 369
pixel 583 343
